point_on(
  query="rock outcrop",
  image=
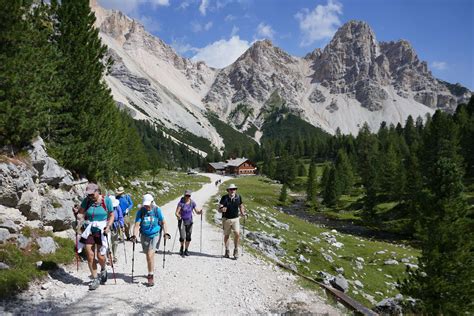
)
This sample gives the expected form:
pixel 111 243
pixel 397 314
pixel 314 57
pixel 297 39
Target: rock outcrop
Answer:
pixel 35 192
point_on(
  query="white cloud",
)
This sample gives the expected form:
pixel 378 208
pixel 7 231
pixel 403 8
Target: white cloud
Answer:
pixel 229 18
pixel 265 31
pixel 131 7
pixel 319 24
pixel 185 4
pixel 234 31
pixel 439 65
pixel 198 27
pixel 203 6
pixel 181 47
pixel 223 52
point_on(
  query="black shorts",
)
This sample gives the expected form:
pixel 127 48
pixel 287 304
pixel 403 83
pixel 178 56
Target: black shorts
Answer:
pixel 93 239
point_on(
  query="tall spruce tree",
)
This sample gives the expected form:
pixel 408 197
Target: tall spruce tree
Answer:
pixel 330 189
pixel 90 129
pixel 344 172
pixel 312 185
pixel 30 88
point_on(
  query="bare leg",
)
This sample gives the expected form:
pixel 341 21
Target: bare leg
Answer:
pixel 236 240
pixel 150 260
pixel 226 241
pixel 91 260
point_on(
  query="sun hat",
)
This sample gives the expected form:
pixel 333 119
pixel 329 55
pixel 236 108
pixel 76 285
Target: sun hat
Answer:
pixel 120 190
pixel 92 188
pixel 232 186
pixel 147 200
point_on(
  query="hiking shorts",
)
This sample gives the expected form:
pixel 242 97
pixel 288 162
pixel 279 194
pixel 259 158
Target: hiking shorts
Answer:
pixel 92 239
pixel 148 244
pixel 185 230
pixel 230 224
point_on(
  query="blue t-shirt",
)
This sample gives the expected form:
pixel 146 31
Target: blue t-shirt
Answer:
pixel 126 203
pixel 150 226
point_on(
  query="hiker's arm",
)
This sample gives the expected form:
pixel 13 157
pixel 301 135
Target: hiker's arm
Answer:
pixel 196 211
pixel 110 222
pixel 222 208
pixel 178 212
pixel 165 228
pixel 242 210
pixel 136 227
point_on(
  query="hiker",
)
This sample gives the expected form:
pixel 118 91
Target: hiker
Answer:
pixel 184 214
pixel 149 221
pixel 99 218
pixel 117 227
pixel 126 204
pixel 231 207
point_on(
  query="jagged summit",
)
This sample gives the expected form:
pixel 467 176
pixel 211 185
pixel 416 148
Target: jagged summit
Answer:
pixel 354 79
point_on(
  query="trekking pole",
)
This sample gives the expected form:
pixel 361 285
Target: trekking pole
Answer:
pixel 164 251
pixel 77 253
pixel 133 258
pixel 200 237
pixel 124 247
pixel 110 253
pixel 174 239
pixel 243 235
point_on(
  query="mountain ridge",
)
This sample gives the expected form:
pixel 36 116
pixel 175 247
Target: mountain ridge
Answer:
pixel 353 80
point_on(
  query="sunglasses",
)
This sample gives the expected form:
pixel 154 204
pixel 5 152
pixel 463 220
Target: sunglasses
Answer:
pixel 187 195
pixel 232 189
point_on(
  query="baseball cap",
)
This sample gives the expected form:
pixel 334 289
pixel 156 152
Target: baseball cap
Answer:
pixel 147 200
pixel 187 192
pixel 92 188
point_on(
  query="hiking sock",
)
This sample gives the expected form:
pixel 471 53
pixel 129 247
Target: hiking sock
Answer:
pixel 103 276
pixel 186 253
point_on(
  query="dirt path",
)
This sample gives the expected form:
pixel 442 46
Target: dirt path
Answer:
pixel 202 283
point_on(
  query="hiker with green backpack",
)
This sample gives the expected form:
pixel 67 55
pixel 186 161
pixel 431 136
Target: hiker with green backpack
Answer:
pixel 149 222
pixel 99 218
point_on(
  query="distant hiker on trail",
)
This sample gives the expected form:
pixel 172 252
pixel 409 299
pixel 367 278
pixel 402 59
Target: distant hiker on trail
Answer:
pixel 149 221
pixel 126 204
pixel 231 207
pixel 99 218
pixel 117 227
pixel 184 213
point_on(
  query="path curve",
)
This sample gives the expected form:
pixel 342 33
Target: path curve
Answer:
pixel 200 284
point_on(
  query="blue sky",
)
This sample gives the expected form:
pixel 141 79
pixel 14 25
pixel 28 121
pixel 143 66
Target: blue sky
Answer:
pixel 218 31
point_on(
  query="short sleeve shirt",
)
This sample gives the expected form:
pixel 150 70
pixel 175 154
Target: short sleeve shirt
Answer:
pixel 232 206
pixel 150 221
pixel 96 211
pixel 187 209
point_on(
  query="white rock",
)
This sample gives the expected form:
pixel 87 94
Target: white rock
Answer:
pixel 358 284
pixel 390 262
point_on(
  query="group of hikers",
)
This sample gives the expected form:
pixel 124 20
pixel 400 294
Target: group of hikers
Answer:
pixel 103 220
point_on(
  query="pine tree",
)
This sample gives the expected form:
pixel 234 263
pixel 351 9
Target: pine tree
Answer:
pixel 30 90
pixel 89 134
pixel 311 184
pixel 301 169
pixel 392 177
pixel 283 193
pixel 443 281
pixel 330 189
pixel 344 172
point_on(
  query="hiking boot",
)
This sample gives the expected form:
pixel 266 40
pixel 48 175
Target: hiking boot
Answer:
pixel 94 284
pixel 226 255
pixel 115 259
pixel 181 251
pixel 236 253
pixel 186 253
pixel 103 276
pixel 150 280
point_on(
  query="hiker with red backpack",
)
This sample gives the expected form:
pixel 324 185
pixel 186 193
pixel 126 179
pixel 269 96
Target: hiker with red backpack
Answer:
pixel 149 222
pixel 99 218
pixel 184 214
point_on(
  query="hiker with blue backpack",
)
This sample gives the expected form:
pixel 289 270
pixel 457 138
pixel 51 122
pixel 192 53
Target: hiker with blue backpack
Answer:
pixel 149 222
pixel 99 218
pixel 117 226
pixel 184 214
pixel 126 204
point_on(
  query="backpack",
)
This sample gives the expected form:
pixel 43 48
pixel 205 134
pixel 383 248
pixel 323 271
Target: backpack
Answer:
pixel 155 211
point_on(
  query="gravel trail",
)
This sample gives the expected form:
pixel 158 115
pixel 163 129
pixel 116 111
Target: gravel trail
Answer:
pixel 199 284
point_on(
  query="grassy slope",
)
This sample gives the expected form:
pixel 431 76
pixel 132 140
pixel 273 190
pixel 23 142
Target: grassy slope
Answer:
pixel 259 195
pixel 229 135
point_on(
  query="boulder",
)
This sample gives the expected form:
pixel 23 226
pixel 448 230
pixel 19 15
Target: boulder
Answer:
pixel 340 283
pixel 7 213
pixel 390 262
pixel 48 168
pixel 4 235
pixel 4 266
pixel 57 209
pixel 46 244
pixel 389 306
pixel 340 270
pixel 23 242
pixel 66 234
pixel 30 204
pixel 358 284
pixel 303 259
pixel 15 178
pixel 269 245
pixel 10 225
pixel 327 257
